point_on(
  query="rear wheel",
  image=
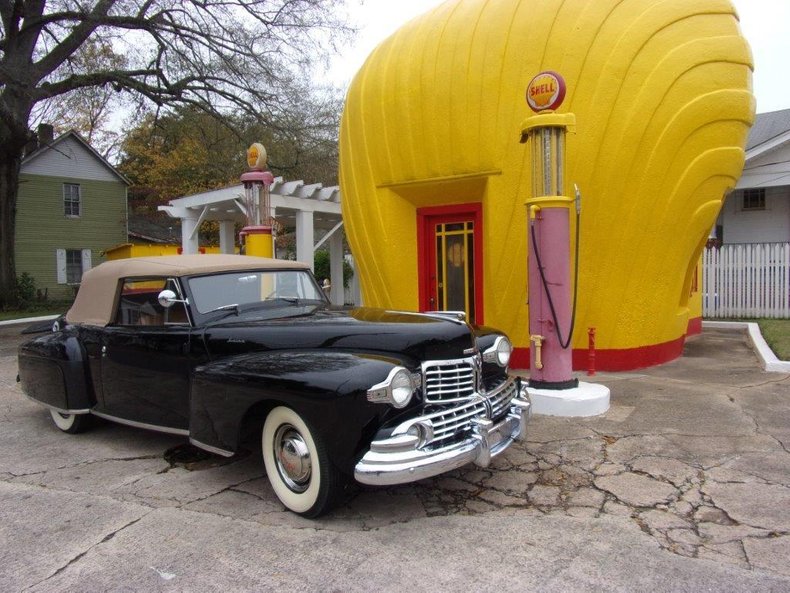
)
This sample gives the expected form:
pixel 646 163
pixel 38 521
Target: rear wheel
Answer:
pixel 70 423
pixel 297 464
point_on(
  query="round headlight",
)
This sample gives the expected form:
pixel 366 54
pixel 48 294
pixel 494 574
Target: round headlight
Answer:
pixel 401 388
pixel 503 350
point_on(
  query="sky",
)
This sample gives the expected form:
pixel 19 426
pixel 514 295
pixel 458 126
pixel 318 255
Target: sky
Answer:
pixel 765 23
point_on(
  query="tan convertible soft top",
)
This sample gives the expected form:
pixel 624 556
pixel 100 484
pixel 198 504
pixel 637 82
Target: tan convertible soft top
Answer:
pixel 95 302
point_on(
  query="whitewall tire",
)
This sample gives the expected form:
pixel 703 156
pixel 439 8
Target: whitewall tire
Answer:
pixel 297 464
pixel 70 423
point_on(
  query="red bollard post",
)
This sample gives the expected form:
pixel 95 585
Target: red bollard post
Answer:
pixel 591 352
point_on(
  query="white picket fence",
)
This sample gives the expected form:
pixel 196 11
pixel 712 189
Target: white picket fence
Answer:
pixel 748 280
pixel 352 293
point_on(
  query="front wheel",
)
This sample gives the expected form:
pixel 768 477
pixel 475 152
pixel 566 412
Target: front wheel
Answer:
pixel 70 423
pixel 297 464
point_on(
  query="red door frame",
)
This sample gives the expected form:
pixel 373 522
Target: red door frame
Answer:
pixel 427 218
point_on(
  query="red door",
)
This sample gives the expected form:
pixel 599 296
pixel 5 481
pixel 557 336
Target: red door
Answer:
pixel 450 242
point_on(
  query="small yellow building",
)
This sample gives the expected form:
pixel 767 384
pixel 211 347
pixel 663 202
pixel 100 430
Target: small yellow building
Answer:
pixel 434 178
pixel 125 250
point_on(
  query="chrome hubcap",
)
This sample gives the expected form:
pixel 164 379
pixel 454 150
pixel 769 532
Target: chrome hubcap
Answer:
pixel 292 457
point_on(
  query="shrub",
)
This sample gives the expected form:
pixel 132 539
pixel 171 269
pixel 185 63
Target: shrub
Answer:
pixel 321 263
pixel 25 290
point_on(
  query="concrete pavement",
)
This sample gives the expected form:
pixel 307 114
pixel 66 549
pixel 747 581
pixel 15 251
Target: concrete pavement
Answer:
pixel 683 485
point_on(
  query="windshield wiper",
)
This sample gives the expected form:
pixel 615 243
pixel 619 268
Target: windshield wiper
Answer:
pixel 228 309
pixel 291 300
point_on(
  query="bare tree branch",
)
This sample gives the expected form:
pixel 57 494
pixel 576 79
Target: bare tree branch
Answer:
pixel 215 55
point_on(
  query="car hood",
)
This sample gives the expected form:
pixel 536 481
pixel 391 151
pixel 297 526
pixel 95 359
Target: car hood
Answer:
pixel 373 331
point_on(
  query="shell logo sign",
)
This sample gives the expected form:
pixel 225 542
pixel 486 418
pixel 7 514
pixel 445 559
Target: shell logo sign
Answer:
pixel 546 91
pixel 256 157
pixel 430 133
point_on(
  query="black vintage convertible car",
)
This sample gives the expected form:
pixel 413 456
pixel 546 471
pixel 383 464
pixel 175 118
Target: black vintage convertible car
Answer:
pixel 218 348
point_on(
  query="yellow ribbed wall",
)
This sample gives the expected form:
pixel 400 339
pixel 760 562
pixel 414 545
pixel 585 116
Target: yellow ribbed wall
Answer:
pixel 662 96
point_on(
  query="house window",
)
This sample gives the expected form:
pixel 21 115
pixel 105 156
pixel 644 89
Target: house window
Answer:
pixel 71 199
pixel 754 199
pixel 71 264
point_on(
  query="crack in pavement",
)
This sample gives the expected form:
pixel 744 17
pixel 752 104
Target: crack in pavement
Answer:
pixel 82 554
pixel 676 488
pixel 676 514
pixel 83 464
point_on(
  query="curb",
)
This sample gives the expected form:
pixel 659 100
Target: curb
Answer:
pixel 767 357
pixel 28 320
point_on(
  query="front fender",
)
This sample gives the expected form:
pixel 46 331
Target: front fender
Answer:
pixel 328 389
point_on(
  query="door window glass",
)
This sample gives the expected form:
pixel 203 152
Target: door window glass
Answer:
pixel 455 278
pixel 139 303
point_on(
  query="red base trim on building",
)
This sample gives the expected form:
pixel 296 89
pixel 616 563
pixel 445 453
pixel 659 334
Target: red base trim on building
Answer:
pixel 519 359
pixel 626 359
pixel 694 327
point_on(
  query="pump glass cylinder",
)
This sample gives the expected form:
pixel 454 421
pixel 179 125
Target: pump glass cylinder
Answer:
pixel 548 158
pixel 252 202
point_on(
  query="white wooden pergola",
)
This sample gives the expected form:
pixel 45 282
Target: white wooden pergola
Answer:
pixel 314 210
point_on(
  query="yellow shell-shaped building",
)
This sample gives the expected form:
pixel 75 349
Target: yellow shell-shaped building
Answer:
pixel 434 178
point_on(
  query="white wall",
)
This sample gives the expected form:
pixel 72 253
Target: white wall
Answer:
pixel 69 157
pixel 771 225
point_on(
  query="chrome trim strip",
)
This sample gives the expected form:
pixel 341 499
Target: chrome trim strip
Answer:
pixel 443 315
pixel 135 424
pixel 211 449
pixel 465 360
pixel 57 409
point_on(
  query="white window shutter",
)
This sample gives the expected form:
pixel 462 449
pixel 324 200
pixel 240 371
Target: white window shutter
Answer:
pixel 86 260
pixel 60 255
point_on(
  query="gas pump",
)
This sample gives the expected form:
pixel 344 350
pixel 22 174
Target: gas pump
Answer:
pixel 552 310
pixel 256 236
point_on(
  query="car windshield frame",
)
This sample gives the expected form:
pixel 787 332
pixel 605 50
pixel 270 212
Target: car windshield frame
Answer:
pixel 219 294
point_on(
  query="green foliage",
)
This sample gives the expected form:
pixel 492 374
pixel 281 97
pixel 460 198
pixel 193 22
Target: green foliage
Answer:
pixel 25 289
pixel 321 263
pixel 27 301
pixel 179 154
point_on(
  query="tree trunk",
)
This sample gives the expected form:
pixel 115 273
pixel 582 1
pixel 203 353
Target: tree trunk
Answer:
pixel 9 186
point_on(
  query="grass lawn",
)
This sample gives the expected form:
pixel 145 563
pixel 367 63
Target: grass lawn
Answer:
pixel 50 308
pixel 777 333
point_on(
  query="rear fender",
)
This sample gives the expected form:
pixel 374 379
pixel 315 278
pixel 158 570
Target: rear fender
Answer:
pixel 53 371
pixel 328 389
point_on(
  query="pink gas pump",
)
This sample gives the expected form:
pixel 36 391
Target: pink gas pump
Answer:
pixel 552 295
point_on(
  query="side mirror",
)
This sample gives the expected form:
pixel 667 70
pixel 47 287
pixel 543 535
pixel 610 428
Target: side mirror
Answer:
pixel 167 298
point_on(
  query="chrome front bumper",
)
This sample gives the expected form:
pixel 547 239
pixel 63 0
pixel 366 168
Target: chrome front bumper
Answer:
pixel 399 458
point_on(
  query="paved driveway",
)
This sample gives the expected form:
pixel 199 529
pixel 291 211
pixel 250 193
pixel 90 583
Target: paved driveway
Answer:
pixel 684 485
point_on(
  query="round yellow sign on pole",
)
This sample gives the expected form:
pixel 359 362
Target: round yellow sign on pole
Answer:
pixel 256 157
pixel 546 91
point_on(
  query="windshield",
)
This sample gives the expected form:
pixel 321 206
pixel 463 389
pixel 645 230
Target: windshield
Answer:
pixel 217 291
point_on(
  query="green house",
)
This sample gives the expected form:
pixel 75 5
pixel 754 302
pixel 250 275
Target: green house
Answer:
pixel 71 208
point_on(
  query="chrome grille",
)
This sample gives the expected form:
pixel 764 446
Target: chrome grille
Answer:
pixel 453 400
pixel 450 381
pixel 500 402
pixel 455 421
